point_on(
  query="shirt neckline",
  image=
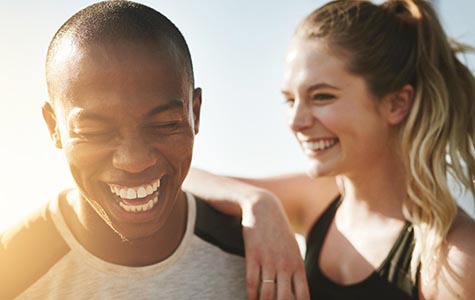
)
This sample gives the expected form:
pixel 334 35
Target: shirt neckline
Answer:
pixel 107 267
pixel 331 211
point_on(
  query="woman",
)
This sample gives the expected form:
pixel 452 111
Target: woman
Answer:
pixel 378 99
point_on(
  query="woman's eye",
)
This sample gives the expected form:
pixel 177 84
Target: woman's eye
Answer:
pixel 289 101
pixel 323 97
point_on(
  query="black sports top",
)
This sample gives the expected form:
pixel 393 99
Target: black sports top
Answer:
pixel 391 281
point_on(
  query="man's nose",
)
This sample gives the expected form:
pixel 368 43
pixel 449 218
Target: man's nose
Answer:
pixel 134 155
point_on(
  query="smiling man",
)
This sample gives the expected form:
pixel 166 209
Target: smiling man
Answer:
pixel 124 110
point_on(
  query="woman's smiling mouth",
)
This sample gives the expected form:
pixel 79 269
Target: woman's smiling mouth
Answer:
pixel 319 145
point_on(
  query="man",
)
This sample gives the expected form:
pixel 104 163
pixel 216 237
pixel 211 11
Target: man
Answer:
pixel 124 110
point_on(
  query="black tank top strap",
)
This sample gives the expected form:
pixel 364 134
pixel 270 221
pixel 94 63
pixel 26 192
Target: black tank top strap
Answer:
pixel 397 266
pixel 315 239
pixel 318 232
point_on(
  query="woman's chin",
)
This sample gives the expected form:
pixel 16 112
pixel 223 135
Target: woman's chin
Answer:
pixel 317 169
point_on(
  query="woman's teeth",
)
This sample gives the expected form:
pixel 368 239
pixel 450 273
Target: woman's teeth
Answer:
pixel 319 145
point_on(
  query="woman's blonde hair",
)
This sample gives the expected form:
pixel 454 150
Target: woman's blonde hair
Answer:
pixel 402 42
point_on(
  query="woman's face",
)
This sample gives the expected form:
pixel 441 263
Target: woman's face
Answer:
pixel 337 121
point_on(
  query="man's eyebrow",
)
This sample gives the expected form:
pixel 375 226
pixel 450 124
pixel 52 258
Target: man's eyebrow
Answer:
pixel 172 104
pixel 82 115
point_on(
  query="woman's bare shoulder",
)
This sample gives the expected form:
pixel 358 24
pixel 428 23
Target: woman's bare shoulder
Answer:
pixel 457 264
pixel 461 240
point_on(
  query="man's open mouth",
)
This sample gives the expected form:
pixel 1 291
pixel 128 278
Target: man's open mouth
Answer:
pixel 137 199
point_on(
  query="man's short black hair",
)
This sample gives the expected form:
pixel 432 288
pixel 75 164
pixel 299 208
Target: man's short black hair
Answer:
pixel 117 20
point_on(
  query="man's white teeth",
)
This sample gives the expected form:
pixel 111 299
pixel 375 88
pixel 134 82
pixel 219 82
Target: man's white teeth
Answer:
pixel 141 192
pixel 135 192
pixel 139 208
pixel 156 184
pixel 131 194
pixel 319 145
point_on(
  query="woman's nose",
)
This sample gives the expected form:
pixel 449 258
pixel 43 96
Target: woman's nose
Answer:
pixel 300 116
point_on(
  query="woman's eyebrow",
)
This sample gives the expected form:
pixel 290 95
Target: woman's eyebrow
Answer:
pixel 321 86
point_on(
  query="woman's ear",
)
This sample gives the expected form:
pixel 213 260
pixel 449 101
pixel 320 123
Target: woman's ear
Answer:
pixel 397 105
pixel 50 118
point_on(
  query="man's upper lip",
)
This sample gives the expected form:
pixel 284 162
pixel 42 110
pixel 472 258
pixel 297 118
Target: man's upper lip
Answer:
pixel 132 183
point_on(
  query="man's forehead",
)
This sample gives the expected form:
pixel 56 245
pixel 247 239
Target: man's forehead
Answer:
pixel 69 49
pixel 64 49
pixel 73 61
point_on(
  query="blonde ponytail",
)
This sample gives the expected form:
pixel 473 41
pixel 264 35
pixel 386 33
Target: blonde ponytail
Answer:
pixel 437 138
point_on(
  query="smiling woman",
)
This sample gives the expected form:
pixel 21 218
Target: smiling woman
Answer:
pixel 378 98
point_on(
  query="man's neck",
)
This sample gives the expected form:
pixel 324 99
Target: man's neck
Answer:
pixel 100 239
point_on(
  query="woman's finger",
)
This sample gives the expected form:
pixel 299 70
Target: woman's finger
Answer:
pixel 300 286
pixel 284 286
pixel 268 284
pixel 252 279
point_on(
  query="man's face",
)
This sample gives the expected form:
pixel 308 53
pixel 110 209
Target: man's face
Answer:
pixel 126 121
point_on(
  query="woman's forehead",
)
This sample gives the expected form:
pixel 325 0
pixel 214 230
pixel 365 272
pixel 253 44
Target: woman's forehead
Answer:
pixel 312 60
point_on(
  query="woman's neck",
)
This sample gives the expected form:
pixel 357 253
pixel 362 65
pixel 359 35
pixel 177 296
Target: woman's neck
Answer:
pixel 379 189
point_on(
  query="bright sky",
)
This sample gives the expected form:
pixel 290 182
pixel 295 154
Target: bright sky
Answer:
pixel 237 48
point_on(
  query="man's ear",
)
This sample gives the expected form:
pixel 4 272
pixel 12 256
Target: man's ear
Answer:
pixel 50 118
pixel 397 105
pixel 196 109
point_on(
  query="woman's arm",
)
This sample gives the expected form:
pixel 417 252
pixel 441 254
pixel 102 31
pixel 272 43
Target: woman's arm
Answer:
pixel 271 249
pixel 302 197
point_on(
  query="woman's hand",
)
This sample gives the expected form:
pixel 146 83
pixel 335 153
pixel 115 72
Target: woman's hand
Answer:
pixel 275 268
pixel 274 265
